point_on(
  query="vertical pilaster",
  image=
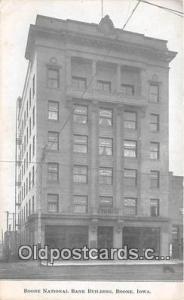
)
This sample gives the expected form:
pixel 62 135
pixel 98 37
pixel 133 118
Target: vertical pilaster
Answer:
pixel 92 234
pixel 93 157
pixel 118 78
pixel 93 83
pixel 164 240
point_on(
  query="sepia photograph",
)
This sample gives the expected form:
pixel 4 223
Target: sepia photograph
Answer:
pixel 91 155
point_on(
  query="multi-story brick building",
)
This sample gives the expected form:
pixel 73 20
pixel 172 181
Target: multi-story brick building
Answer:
pixel 92 135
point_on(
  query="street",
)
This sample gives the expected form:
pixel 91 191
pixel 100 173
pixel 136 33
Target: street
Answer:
pixel 103 272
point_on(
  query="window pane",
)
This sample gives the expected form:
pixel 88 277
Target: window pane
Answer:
pixel 130 177
pixel 154 150
pixel 106 201
pixel 154 207
pixel 130 148
pixel 80 204
pixel 105 117
pixel 52 200
pixel 53 78
pixel 130 120
pixel 53 140
pixel 80 174
pixel 53 172
pixel 105 176
pixel 154 93
pixel 127 89
pixel 53 110
pixel 79 82
pixel 130 206
pixel 80 114
pixel 105 146
pixel 155 178
pixel 104 85
pixel 154 122
pixel 80 144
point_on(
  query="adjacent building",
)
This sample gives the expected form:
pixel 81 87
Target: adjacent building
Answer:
pixel 92 138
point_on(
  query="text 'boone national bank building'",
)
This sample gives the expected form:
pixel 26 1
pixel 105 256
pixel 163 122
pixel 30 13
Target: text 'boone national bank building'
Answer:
pixel 92 138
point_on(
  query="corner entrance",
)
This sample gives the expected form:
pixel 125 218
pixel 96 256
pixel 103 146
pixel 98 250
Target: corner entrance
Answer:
pixel 142 238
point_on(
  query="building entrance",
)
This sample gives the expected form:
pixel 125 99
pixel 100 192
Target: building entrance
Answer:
pixel 105 237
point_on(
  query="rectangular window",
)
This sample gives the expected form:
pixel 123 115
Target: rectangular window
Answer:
pixel 29 98
pixel 130 148
pixel 33 176
pixel 53 78
pixel 33 116
pixel 127 89
pixel 154 122
pixel 154 92
pixel 29 207
pixel 26 186
pixel 33 205
pixel 29 181
pixel 130 177
pixel 105 117
pixel 27 135
pixel 29 153
pixel 154 150
pixel 155 179
pixel 80 143
pixel 53 140
pixel 79 83
pixel 104 86
pixel 130 120
pixel 105 146
pixel 80 174
pixel 53 110
pixel 33 85
pixel 106 201
pixel 130 206
pixel 27 109
pixel 105 176
pixel 154 207
pixel 80 114
pixel 80 204
pixel 53 172
pixel 29 126
pixel 33 145
pixel 53 203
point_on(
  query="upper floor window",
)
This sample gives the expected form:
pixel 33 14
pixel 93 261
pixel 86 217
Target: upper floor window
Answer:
pixel 80 114
pixel 127 89
pixel 154 150
pixel 130 120
pixel 106 201
pixel 53 203
pixel 154 92
pixel 79 83
pixel 155 179
pixel 33 85
pixel 80 174
pixel 154 207
pixel 33 116
pixel 53 110
pixel 105 146
pixel 53 140
pixel 33 145
pixel 130 206
pixel 29 98
pixel 154 122
pixel 105 117
pixel 53 171
pixel 105 175
pixel 80 143
pixel 130 177
pixel 80 204
pixel 104 86
pixel 130 148
pixel 30 126
pixel 53 78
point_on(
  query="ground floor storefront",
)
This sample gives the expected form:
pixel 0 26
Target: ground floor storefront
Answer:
pixel 101 233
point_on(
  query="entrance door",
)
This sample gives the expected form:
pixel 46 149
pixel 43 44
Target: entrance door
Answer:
pixel 105 237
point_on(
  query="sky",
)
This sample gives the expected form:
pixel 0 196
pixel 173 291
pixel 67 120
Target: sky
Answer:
pixel 16 17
